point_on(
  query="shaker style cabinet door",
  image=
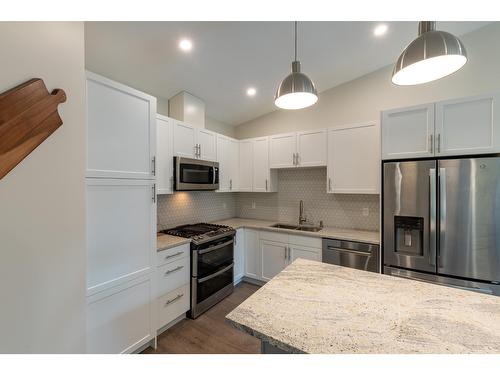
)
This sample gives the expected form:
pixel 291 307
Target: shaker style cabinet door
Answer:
pixel 274 258
pixel 304 252
pixel 121 126
pixel 282 150
pixel 239 255
pixel 164 155
pixel 311 148
pixel 184 140
pixel 261 176
pixel 408 132
pixel 252 254
pixel 234 162
pixel 207 144
pixel 245 173
pixel 223 158
pixel 468 126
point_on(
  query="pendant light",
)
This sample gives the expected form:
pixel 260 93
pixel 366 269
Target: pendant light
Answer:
pixel 296 91
pixel 431 56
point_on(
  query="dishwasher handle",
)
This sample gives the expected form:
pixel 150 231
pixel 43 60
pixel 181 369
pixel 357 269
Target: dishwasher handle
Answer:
pixel 357 252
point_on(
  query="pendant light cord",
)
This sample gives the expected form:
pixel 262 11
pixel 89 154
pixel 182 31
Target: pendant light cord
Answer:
pixel 295 41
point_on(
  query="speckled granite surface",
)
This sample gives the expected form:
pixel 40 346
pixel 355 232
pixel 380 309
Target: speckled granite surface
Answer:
pixel 166 241
pixel 326 232
pixel 313 307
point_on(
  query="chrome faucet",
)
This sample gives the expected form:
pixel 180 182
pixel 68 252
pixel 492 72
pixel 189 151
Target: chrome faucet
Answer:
pixel 302 218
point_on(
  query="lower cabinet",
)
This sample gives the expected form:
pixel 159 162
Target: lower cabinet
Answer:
pixel 239 255
pixel 252 254
pixel 274 258
pixel 119 319
pixel 172 305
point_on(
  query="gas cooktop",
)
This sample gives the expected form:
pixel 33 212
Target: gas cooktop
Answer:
pixel 201 232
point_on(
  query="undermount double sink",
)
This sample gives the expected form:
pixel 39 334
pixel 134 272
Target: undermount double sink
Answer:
pixel 303 228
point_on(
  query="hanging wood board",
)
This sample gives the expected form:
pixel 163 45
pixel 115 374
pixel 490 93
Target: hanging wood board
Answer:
pixel 28 116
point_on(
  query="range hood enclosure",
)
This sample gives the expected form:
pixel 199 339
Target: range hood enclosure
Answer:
pixel 187 108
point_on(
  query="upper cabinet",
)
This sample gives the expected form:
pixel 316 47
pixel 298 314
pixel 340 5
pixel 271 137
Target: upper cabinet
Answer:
pixel 264 180
pixel 194 143
pixel 121 125
pixel 246 165
pixel 228 157
pixel 354 159
pixel 408 132
pixel 164 154
pixel 448 128
pixel 468 126
pixel 301 149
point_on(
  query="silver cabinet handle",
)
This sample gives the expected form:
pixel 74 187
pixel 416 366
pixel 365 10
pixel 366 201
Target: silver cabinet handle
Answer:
pixel 297 159
pixel 153 197
pixel 432 216
pixel 266 184
pixel 230 184
pixel 174 299
pixel 294 158
pixel 174 255
pixel 431 141
pixel 289 253
pixel 153 167
pixel 174 270
pixel 329 184
pixel 439 142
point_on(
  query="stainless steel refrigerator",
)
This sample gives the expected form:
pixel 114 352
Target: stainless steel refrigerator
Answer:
pixel 441 221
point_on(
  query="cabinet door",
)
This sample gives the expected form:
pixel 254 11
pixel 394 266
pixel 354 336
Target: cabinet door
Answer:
pixel 239 255
pixel 119 320
pixel 184 140
pixel 468 126
pixel 408 132
pixel 246 165
pixel 261 177
pixel 304 252
pixel 121 231
pixel 234 161
pixel 252 254
pixel 164 155
pixel 274 258
pixel 282 149
pixel 311 148
pixel 354 160
pixel 207 143
pixel 121 126
pixel 223 158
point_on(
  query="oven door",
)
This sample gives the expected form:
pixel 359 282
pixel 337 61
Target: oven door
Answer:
pixel 211 285
pixel 194 174
pixel 209 260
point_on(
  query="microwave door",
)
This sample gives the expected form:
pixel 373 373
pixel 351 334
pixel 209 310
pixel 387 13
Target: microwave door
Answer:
pixel 469 218
pixel 409 218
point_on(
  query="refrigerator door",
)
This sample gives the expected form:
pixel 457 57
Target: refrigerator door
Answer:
pixel 410 201
pixel 469 218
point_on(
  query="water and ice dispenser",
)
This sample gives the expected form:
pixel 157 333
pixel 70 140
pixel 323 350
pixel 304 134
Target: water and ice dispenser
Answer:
pixel 409 235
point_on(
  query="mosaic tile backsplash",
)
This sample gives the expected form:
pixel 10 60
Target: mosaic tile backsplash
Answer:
pixel 336 210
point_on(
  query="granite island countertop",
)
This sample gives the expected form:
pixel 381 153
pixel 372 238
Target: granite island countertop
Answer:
pixel 372 237
pixel 313 307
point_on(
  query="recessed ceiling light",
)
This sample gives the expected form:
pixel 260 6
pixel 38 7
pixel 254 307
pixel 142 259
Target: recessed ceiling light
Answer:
pixel 185 45
pixel 380 29
pixel 251 91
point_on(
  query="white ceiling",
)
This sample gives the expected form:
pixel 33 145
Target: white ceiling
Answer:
pixel 228 57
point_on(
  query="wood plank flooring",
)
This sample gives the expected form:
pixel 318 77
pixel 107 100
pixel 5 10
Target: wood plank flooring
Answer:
pixel 210 333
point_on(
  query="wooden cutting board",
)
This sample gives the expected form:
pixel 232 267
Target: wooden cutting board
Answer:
pixel 28 116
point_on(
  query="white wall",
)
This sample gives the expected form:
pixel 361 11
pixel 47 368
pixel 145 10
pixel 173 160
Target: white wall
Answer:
pixel 362 99
pixel 42 201
pixel 220 127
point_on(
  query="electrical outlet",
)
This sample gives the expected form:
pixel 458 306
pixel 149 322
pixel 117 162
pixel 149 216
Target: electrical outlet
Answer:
pixel 366 211
pixel 253 205
pixel 224 205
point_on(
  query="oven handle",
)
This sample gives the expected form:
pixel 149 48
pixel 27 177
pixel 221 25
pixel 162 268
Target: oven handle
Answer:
pixel 225 269
pixel 212 248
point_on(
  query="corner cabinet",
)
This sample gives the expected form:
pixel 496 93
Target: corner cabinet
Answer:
pixel 301 149
pixel 194 143
pixel 354 159
pixel 164 155
pixel 455 127
pixel 264 180
pixel 121 127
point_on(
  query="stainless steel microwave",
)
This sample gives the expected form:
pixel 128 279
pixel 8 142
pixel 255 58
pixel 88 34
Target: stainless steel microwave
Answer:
pixel 195 174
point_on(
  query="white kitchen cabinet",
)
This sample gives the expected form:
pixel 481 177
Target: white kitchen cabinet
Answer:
pixel 300 149
pixel 234 180
pixel 185 144
pixel 468 126
pixel 121 231
pixel 311 148
pixel 408 132
pixel 164 155
pixel 119 319
pixel 121 127
pixel 207 144
pixel 264 179
pixel 252 254
pixel 228 158
pixel 304 252
pixel 239 255
pixel 354 159
pixel 246 165
pixel 173 305
pixel 274 258
pixel 282 150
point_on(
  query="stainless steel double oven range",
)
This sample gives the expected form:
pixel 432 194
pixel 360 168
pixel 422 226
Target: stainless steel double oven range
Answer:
pixel 212 263
pixel 441 221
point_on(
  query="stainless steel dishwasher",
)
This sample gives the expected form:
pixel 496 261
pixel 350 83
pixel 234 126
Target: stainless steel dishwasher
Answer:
pixel 360 255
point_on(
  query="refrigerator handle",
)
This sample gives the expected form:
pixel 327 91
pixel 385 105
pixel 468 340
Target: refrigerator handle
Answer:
pixel 442 211
pixel 432 216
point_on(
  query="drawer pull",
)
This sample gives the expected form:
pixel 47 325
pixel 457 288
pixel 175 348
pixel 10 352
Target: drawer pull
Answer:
pixel 174 255
pixel 173 299
pixel 175 269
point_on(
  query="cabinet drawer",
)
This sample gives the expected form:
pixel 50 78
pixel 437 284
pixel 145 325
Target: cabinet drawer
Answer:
pixel 170 255
pixel 273 236
pixel 172 275
pixel 305 241
pixel 172 305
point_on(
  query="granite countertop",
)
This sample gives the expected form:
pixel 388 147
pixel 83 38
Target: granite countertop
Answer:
pixel 166 241
pixel 327 232
pixel 313 307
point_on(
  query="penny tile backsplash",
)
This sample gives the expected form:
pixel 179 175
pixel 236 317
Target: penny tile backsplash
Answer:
pixel 356 211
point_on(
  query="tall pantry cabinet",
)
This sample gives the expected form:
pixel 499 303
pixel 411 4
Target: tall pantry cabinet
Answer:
pixel 121 216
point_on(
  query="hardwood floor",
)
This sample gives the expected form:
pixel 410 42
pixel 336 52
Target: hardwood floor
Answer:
pixel 210 333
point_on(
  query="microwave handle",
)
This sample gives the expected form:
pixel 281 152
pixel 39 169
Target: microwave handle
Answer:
pixel 213 175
